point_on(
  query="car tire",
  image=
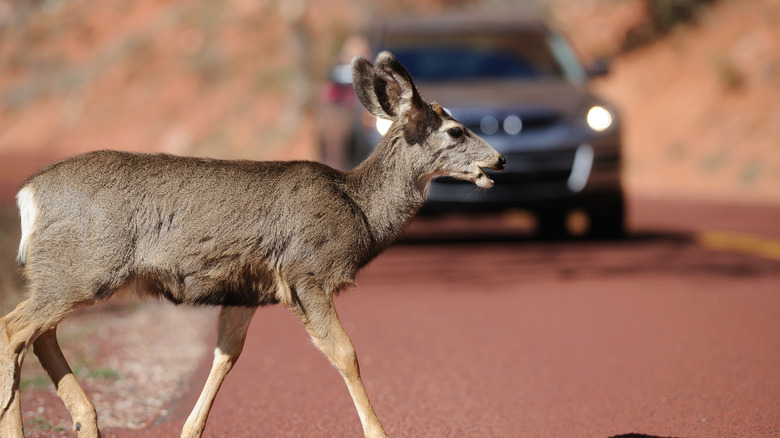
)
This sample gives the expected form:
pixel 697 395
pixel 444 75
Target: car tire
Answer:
pixel 551 223
pixel 608 218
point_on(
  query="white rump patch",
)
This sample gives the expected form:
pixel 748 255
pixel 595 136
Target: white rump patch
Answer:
pixel 28 212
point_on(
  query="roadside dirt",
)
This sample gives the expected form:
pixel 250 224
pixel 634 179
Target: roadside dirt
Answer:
pixel 133 359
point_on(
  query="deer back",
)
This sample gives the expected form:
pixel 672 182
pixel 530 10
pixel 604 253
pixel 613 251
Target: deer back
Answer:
pixel 193 230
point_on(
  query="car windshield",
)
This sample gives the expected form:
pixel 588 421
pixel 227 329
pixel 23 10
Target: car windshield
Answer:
pixel 489 55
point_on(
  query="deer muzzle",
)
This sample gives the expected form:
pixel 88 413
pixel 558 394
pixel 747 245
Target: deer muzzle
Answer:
pixel 482 180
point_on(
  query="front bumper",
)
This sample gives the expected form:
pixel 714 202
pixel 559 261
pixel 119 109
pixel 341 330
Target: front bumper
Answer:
pixel 572 176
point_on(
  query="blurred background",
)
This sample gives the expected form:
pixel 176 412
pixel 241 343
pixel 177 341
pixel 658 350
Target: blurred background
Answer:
pixel 696 82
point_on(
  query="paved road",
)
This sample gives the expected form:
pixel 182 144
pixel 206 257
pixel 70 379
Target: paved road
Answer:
pixel 667 334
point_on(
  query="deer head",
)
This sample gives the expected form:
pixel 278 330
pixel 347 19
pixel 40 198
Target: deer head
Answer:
pixel 444 145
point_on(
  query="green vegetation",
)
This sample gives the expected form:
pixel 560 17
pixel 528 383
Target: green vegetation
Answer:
pixel 104 373
pixel 41 423
pixel 730 76
pixel 662 17
pixel 666 14
pixel 37 381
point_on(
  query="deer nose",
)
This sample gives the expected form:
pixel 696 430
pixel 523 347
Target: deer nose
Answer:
pixel 501 163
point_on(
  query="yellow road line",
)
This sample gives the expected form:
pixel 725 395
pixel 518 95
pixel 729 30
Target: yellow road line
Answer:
pixel 740 242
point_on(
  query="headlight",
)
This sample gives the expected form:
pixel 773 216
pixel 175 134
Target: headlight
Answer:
pixel 599 118
pixel 382 125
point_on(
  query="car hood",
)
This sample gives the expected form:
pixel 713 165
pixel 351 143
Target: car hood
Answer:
pixel 561 97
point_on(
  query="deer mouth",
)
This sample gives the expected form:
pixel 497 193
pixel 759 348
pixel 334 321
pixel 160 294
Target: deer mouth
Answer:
pixel 482 180
pixel 478 175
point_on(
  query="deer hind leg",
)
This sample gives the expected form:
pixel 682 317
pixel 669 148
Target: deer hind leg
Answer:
pixel 231 333
pixel 10 372
pixel 76 401
pixel 319 316
pixel 18 330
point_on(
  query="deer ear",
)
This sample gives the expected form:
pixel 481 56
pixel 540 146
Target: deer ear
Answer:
pixel 363 79
pixel 395 90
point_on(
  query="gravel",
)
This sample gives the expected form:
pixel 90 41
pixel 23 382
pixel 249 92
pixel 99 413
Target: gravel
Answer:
pixel 132 358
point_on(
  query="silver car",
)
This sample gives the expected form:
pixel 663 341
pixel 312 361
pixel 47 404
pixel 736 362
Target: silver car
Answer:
pixel 517 84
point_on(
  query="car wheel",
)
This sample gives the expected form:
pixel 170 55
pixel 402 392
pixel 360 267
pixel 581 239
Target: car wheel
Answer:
pixel 551 223
pixel 608 218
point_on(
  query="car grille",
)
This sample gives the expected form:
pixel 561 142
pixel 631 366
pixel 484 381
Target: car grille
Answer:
pixel 512 123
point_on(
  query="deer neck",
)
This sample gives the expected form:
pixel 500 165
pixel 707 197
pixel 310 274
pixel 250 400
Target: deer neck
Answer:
pixel 390 187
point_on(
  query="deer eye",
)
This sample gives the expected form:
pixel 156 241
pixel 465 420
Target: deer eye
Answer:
pixel 455 132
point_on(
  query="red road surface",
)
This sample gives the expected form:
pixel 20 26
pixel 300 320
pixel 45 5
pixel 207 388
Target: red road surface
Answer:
pixel 655 335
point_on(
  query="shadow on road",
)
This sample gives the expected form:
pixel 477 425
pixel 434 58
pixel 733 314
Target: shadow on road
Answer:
pixel 521 255
pixel 516 227
pixel 478 236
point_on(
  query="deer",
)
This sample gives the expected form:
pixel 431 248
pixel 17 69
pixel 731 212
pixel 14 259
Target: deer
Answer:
pixel 236 234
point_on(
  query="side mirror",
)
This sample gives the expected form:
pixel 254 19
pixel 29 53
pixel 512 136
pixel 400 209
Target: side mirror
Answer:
pixel 597 68
pixel 341 74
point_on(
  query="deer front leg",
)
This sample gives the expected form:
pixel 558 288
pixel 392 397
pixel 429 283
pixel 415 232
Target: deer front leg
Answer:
pixel 76 401
pixel 329 336
pixel 231 333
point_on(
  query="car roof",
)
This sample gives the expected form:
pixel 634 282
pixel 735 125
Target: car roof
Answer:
pixel 460 22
